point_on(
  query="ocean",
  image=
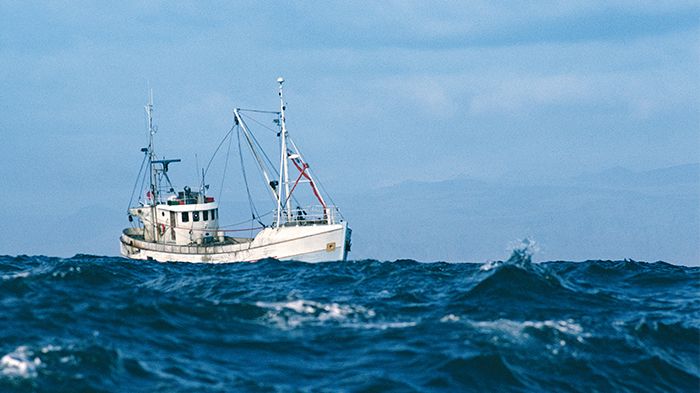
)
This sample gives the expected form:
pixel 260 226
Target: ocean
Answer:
pixel 91 323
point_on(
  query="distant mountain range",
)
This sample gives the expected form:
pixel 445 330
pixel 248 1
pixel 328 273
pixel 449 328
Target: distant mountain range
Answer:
pixel 615 214
pixel 616 177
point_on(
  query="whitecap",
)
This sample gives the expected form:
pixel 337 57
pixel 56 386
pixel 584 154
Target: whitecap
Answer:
pixel 15 275
pixel 50 348
pixel 518 330
pixel 383 325
pixel 449 318
pixel 522 251
pixel 490 265
pixel 293 313
pixel 567 327
pixel 19 363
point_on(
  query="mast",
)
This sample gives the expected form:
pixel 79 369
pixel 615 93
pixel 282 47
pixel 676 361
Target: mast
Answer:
pixel 153 189
pixel 284 168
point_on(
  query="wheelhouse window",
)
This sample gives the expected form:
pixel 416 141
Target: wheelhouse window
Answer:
pixel 185 217
pixel 195 216
pixel 205 215
pixel 213 214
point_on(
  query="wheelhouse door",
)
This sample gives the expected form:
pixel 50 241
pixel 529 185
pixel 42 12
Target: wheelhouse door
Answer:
pixel 173 222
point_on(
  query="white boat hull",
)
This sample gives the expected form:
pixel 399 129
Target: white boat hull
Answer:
pixel 312 243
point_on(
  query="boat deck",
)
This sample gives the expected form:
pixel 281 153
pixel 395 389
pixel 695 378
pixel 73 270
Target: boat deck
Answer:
pixel 134 237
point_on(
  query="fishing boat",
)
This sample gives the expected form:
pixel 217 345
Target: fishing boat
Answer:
pixel 169 225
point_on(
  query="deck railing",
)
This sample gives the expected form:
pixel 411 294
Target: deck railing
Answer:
pixel 310 215
pixel 132 235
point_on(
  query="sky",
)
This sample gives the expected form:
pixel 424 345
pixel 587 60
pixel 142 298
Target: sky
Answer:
pixel 379 93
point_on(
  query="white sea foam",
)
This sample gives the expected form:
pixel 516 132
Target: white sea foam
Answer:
pixel 15 275
pixel 519 330
pixel 63 274
pixel 50 348
pixel 449 318
pixel 525 247
pixel 295 313
pixel 490 265
pixel 567 327
pixel 521 252
pixel 322 310
pixel 382 325
pixel 384 294
pixel 292 313
pixel 20 363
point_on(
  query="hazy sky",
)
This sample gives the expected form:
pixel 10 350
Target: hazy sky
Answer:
pixel 379 92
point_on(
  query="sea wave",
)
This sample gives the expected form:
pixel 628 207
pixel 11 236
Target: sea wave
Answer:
pixel 92 323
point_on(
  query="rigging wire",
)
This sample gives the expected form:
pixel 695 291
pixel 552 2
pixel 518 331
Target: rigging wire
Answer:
pixel 263 125
pixel 320 184
pixel 219 147
pixel 328 195
pixel 256 216
pixel 143 183
pixel 136 183
pixel 228 152
pixel 246 220
pixel 256 147
pixel 272 167
pixel 253 210
pixel 258 111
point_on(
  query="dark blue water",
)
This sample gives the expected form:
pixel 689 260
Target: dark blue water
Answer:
pixel 107 324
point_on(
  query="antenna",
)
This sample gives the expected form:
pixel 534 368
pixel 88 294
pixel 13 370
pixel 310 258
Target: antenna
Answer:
pixel 196 164
pixel 153 190
pixel 203 186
